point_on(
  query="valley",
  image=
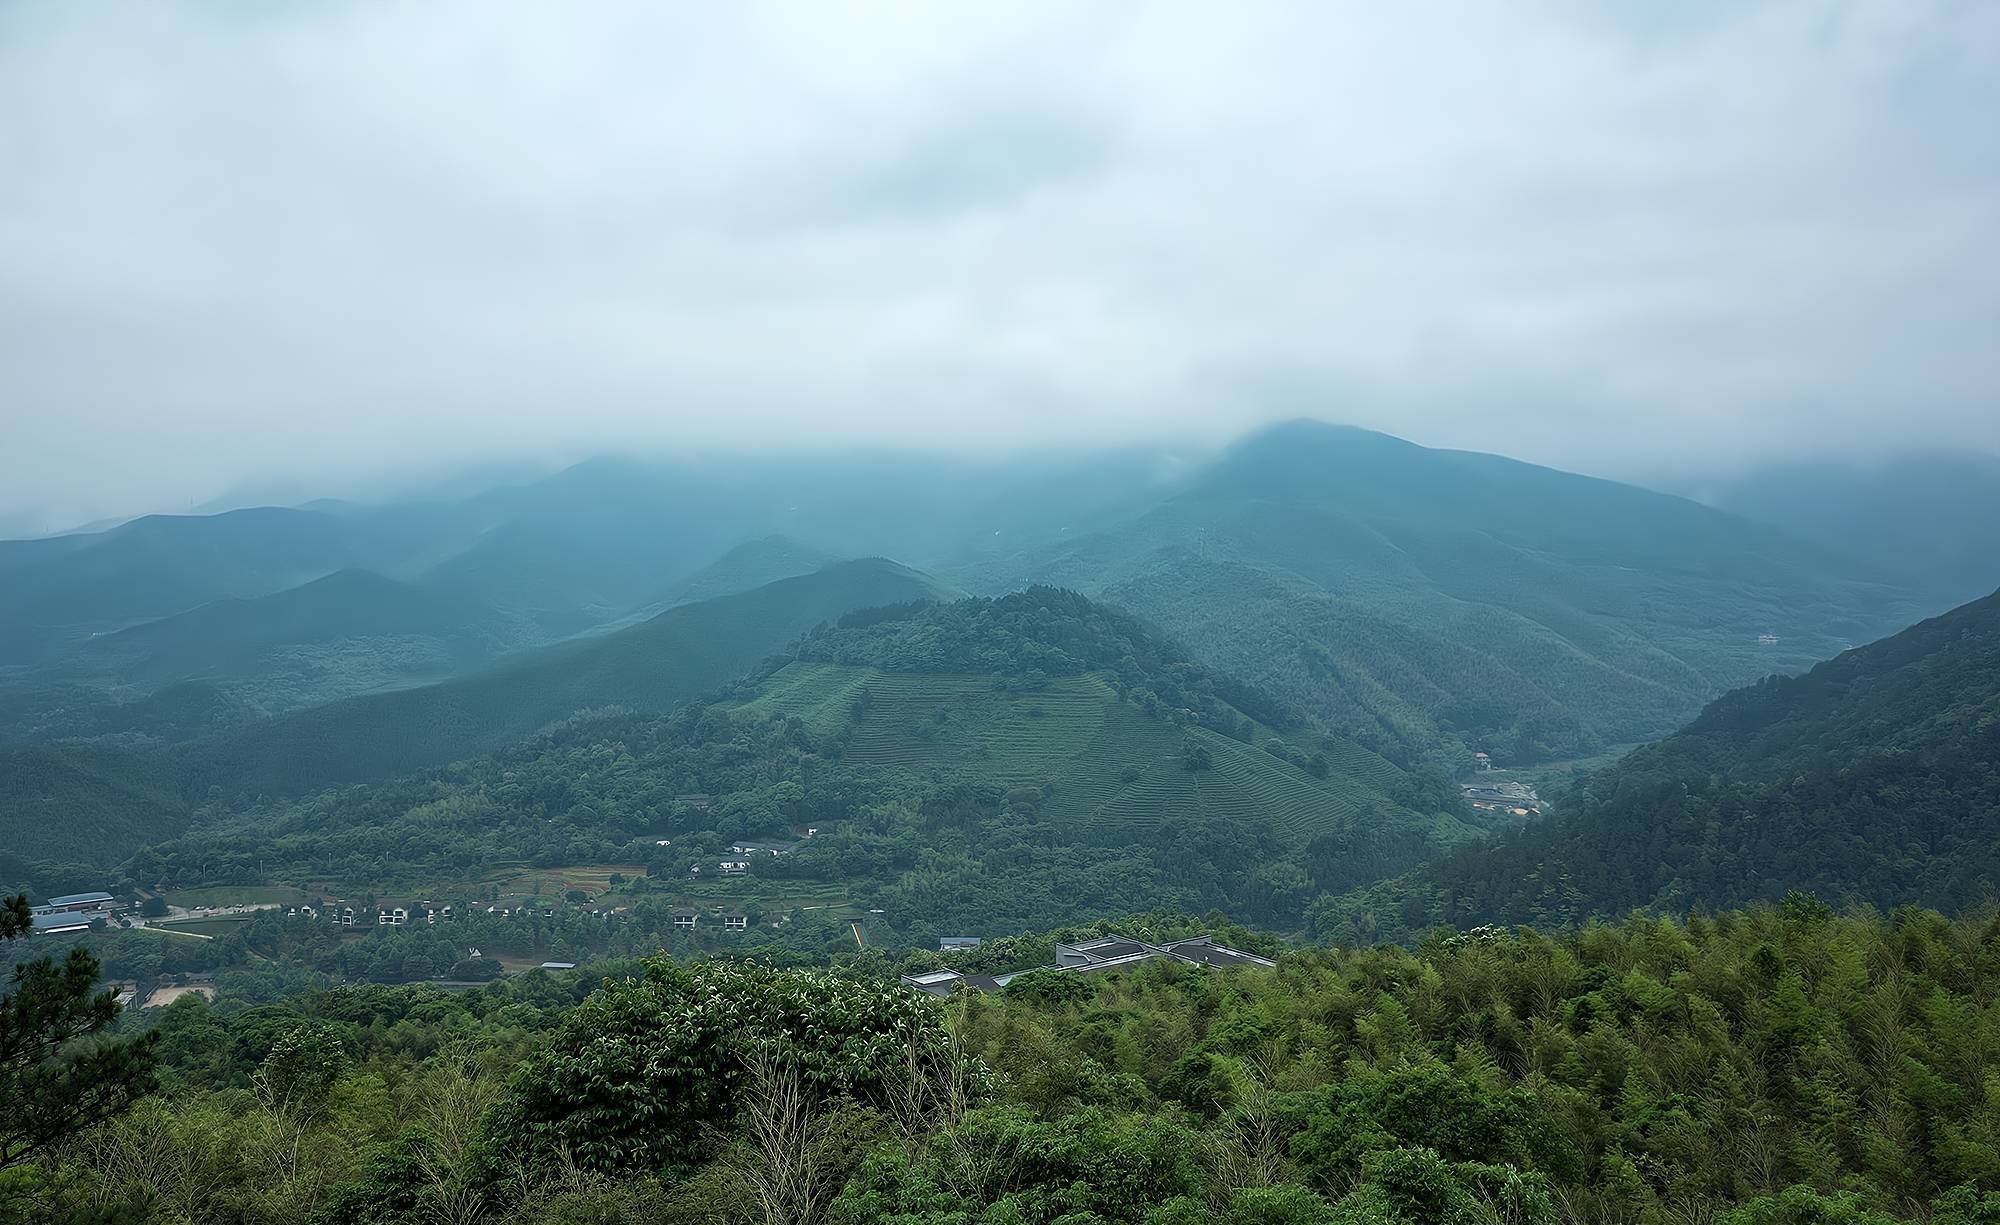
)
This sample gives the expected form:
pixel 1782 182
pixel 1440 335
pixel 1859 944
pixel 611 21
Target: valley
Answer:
pixel 1326 692
pixel 999 614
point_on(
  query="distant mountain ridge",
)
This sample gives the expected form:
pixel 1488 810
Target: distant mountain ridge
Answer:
pixel 572 551
pixel 1932 519
pixel 233 639
pixel 1452 600
pixel 750 564
pixel 654 665
pixel 1439 601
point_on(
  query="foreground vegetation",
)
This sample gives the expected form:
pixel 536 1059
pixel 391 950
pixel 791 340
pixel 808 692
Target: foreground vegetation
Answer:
pixel 1776 1066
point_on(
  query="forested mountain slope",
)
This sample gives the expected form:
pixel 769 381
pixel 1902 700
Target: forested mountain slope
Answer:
pixel 1120 732
pixel 650 666
pixel 1875 776
pixel 88 803
pixel 275 600
pixel 1435 600
pixel 348 632
pixel 974 765
pixel 61 591
pixel 1934 519
pixel 1457 600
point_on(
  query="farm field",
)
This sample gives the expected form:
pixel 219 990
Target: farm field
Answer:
pixel 553 883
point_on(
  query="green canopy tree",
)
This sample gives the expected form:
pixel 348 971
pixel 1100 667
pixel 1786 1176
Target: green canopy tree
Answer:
pixel 641 1072
pixel 57 1075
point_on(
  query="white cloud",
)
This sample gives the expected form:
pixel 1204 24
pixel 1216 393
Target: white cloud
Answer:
pixel 345 238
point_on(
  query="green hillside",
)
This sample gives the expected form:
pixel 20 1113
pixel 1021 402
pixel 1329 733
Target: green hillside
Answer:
pixel 84 803
pixel 1451 601
pixel 978 764
pixel 350 631
pixel 41 714
pixel 1122 737
pixel 1111 771
pixel 651 666
pixel 1875 776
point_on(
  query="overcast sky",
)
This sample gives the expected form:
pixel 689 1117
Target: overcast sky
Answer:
pixel 331 241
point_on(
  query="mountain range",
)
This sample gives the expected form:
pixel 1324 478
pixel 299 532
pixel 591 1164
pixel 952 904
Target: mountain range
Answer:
pixel 1439 601
pixel 1932 520
pixel 1440 598
pixel 1377 609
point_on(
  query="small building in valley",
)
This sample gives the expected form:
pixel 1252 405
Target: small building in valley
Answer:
pixel 72 903
pixel 752 847
pixel 72 912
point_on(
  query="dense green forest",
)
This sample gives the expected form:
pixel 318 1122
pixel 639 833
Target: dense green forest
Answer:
pixel 1039 633
pixel 1776 1066
pixel 1874 776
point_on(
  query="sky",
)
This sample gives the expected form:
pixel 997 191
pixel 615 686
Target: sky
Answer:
pixel 321 246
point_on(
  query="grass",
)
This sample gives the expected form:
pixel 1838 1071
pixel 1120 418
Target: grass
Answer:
pixel 169 931
pixel 218 926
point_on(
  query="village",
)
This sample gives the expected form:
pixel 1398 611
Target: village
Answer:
pixel 723 895
pixel 1488 794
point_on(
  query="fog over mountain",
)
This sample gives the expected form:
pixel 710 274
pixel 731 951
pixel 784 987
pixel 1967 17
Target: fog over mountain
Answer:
pixel 333 248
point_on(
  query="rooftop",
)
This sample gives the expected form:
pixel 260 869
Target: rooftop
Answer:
pixel 77 899
pixel 943 982
pixel 69 921
pixel 748 845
